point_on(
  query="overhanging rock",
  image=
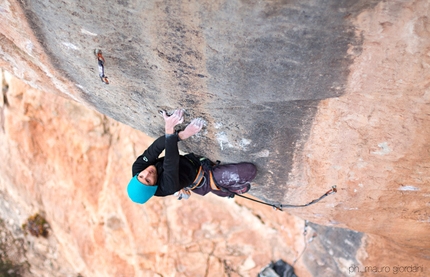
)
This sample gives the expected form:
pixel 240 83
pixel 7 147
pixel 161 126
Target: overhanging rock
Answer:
pixel 255 71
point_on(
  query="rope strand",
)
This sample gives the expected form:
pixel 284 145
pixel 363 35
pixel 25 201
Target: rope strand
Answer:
pixel 280 206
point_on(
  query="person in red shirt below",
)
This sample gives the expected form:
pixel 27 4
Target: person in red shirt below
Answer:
pixel 181 174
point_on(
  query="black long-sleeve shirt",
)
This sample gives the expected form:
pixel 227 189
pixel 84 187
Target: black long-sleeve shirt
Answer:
pixel 174 171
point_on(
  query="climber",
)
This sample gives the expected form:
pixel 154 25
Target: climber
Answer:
pixel 176 174
pixel 101 62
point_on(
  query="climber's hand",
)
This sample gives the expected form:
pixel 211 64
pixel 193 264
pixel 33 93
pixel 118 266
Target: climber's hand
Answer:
pixel 193 128
pixel 172 120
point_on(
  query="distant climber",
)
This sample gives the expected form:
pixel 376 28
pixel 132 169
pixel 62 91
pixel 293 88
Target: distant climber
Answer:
pixel 181 174
pixel 101 64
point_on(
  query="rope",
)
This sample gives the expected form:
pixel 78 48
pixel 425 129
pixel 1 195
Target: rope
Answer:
pixel 305 232
pixel 280 206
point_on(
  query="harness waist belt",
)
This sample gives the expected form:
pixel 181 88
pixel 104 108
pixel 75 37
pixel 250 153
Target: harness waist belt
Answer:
pixel 212 181
pixel 198 179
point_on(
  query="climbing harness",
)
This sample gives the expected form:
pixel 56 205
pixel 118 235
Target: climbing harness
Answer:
pixel 197 181
pixel 205 167
pixel 280 206
pixel 101 62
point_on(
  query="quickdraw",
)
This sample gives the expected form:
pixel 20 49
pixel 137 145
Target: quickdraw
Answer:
pixel 279 207
pixel 101 62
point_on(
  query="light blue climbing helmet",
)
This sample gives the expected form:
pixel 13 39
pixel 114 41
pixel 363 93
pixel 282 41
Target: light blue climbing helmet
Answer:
pixel 140 193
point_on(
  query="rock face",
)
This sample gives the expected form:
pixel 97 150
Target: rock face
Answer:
pixel 376 135
pixel 72 164
pixel 316 94
pixel 255 71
